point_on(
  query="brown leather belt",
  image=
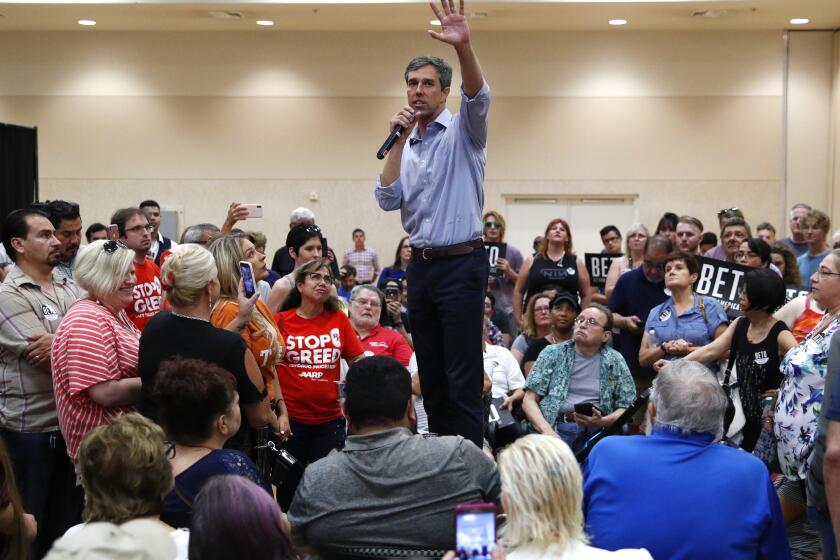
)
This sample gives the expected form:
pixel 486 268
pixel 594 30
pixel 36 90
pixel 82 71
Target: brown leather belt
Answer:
pixel 429 253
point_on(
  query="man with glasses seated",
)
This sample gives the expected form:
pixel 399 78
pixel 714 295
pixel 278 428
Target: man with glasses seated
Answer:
pixel 366 303
pixel 580 386
pixel 136 233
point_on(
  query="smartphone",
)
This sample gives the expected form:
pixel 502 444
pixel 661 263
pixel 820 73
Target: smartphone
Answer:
pixel 113 232
pixel 254 210
pixel 586 408
pixel 391 293
pixel 248 280
pixel 475 530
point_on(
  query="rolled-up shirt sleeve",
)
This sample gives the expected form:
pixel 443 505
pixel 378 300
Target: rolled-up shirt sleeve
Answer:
pixel 390 197
pixel 474 111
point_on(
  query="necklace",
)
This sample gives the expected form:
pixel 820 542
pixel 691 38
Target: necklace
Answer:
pixel 190 317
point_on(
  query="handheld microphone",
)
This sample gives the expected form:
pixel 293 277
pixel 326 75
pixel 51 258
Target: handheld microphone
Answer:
pixel 390 141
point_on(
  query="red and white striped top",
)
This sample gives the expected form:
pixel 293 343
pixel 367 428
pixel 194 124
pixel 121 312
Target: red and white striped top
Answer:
pixel 90 346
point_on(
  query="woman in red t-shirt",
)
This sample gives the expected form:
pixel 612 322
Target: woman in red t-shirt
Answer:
pixel 317 336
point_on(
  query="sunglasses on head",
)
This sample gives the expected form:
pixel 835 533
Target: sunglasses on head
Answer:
pixel 110 247
pixel 727 211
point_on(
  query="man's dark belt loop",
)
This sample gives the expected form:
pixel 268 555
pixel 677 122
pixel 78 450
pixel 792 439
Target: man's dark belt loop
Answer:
pixel 429 253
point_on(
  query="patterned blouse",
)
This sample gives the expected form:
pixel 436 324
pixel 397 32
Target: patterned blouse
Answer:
pixel 800 400
pixel 550 376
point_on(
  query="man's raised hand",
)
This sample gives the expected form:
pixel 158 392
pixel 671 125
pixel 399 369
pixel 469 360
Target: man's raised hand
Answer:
pixel 454 27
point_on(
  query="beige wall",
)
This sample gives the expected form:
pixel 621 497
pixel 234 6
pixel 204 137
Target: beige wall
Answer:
pixel 688 122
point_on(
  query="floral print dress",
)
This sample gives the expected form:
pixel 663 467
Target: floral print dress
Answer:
pixel 800 400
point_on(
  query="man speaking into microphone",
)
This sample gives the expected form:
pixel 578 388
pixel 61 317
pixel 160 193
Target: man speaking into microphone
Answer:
pixel 433 174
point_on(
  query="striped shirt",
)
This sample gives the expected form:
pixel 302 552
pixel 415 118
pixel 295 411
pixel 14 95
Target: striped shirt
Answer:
pixel 27 403
pixel 364 261
pixel 90 347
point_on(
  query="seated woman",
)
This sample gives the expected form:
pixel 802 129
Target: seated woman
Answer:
pixel 536 325
pixel 199 409
pixel 125 472
pixel 94 351
pixel 235 518
pixel 758 343
pixel 685 320
pixel 401 260
pixel 191 287
pixel 542 493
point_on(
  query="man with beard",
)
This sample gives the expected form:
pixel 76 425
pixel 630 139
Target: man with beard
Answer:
pixel 67 222
pixel 33 301
pixel 403 485
pixel 136 233
pixel 689 234
pixel 366 303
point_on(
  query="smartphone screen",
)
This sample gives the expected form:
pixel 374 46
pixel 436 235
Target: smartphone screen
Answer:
pixel 248 281
pixel 475 534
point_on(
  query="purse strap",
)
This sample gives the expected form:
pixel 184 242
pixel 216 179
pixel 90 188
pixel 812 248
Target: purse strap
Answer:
pixel 183 498
pixel 742 326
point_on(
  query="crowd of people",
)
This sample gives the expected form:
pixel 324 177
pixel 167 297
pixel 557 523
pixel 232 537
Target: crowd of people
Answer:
pixel 163 399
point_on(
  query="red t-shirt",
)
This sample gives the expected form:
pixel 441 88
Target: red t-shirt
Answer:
pixel 311 369
pixel 387 342
pixel 147 294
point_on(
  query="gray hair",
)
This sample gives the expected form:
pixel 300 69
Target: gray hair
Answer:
pixel 193 233
pixel 799 205
pixel 301 215
pixel 688 399
pixel 443 68
pixel 354 293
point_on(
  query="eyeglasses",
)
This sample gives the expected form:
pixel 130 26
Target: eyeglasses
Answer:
pixel 138 229
pixel 823 272
pixel 727 211
pixel 110 247
pixel 491 225
pixel 317 277
pixel 169 449
pixel 746 254
pixel 370 302
pixel 589 321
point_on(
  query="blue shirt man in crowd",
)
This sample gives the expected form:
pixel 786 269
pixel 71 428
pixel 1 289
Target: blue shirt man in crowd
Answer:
pixel 434 176
pixel 692 498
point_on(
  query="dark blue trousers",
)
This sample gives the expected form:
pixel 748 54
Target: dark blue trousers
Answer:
pixel 446 310
pixel 47 483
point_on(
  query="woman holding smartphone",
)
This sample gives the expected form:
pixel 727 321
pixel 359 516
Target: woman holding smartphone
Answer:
pixel 261 334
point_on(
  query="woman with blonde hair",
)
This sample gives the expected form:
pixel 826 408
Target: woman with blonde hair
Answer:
pixel 542 492
pixel 536 324
pixel 634 255
pixel 261 334
pixel 554 265
pixel 191 287
pixel 125 472
pixel 318 334
pixel 94 350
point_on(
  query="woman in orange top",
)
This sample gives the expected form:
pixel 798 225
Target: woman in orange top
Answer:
pixel 261 334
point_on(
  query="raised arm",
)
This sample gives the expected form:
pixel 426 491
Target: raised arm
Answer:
pixel 455 31
pixel 716 348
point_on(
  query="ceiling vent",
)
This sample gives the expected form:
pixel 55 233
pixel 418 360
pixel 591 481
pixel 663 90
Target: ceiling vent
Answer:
pixel 225 14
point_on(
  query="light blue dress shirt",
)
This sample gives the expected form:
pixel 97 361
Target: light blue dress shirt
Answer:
pixel 440 192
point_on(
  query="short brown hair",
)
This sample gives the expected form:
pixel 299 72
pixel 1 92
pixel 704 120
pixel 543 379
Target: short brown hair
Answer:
pixel 820 219
pixel 690 261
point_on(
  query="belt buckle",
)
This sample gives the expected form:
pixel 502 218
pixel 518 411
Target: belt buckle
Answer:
pixel 423 253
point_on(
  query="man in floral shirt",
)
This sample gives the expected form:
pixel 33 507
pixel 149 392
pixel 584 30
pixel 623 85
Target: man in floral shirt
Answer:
pixel 583 371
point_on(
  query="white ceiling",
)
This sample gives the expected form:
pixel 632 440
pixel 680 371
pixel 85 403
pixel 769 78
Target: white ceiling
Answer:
pixel 357 15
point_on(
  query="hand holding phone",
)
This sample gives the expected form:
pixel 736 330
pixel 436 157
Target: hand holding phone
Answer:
pixel 586 409
pixel 254 210
pixel 475 531
pixel 248 280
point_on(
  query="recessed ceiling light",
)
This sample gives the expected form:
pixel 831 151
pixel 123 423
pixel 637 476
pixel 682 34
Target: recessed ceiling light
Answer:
pixel 86 22
pixel 800 21
pixel 435 22
pixel 617 22
pixel 264 22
